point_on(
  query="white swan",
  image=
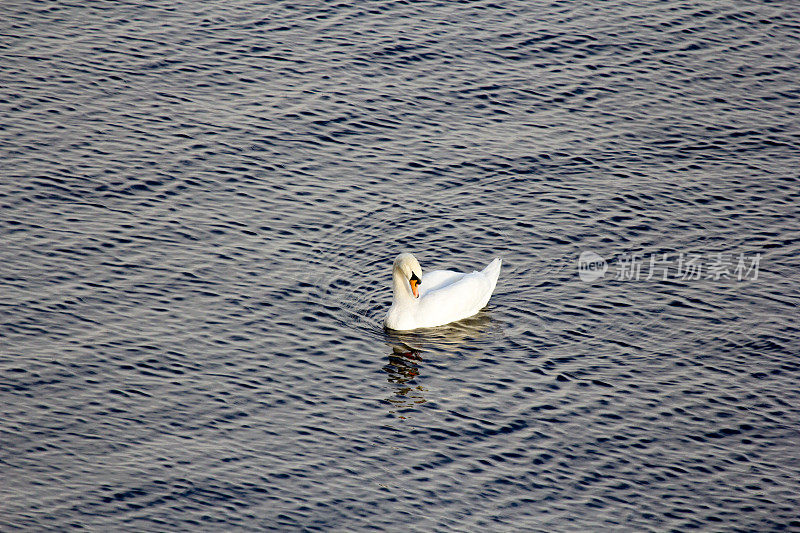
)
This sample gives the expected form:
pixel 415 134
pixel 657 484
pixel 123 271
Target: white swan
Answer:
pixel 438 298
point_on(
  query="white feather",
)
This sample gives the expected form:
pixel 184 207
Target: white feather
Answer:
pixel 444 296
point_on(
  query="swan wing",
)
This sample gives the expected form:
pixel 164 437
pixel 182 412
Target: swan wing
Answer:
pixel 457 295
pixel 437 279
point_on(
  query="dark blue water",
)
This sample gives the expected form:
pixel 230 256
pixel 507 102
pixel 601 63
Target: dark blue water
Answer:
pixel 200 203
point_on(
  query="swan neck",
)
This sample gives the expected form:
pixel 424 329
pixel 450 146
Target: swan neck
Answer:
pixel 402 291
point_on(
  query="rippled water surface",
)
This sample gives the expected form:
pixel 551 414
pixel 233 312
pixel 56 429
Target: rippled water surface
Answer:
pixel 200 203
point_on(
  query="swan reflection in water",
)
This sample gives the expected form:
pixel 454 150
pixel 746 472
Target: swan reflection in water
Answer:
pixel 409 347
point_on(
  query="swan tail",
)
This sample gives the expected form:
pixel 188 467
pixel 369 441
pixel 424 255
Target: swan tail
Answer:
pixel 492 271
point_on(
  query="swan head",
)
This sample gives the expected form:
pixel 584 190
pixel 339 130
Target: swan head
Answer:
pixel 407 266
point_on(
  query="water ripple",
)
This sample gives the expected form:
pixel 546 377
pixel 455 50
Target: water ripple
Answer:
pixel 201 204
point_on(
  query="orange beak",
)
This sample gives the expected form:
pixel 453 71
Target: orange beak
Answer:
pixel 414 281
